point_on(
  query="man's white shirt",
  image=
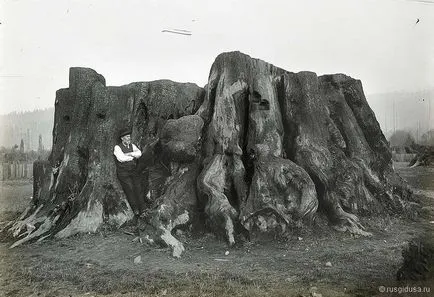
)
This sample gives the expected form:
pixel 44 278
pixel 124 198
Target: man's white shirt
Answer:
pixel 121 157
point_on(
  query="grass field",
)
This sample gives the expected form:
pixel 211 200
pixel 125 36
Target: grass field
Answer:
pixel 103 264
pixel 15 196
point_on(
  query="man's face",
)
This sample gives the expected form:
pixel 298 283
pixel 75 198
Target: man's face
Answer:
pixel 126 139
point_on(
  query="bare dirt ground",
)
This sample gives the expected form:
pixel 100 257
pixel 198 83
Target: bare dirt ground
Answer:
pixel 103 264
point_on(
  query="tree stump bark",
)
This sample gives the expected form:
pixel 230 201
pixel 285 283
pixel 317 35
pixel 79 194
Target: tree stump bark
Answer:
pixel 259 149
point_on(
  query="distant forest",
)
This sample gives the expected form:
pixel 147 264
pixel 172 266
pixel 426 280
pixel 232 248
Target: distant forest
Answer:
pixel 412 112
pixel 408 111
pixel 27 126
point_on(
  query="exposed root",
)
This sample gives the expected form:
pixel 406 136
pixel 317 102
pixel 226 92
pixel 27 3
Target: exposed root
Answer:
pixel 349 222
pixel 37 233
pixel 163 233
pixel 25 213
pixel 415 164
pixel 21 224
pixel 176 246
pixel 119 218
pixel 229 228
pixel 88 220
pixel 212 183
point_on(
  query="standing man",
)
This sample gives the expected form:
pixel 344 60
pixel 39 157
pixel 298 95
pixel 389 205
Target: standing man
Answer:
pixel 126 154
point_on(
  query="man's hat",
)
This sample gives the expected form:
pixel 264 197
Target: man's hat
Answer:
pixel 124 131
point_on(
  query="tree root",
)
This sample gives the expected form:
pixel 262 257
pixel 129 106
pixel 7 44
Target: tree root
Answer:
pixel 163 231
pixel 349 222
pixel 212 183
pixel 229 228
pixel 417 163
pixel 176 246
pixel 36 233
pixel 24 227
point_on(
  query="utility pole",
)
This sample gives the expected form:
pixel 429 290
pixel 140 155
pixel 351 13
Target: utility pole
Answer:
pixel 429 113
pixel 394 117
pixel 385 122
pixel 40 146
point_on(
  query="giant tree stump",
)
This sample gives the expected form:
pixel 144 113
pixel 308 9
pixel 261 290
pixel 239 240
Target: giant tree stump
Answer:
pixel 260 148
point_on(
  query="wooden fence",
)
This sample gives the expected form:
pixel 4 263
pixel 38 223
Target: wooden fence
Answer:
pixel 16 170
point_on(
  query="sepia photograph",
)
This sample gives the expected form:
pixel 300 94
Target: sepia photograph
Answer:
pixel 216 148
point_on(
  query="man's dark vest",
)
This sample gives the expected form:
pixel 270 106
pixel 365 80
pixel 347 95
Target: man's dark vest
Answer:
pixel 125 166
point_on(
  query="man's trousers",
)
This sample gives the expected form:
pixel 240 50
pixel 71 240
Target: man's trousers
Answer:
pixel 132 185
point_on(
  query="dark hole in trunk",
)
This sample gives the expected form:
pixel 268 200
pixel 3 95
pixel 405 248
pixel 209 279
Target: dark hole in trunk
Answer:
pixel 100 115
pixel 264 105
pixel 320 191
pixel 232 196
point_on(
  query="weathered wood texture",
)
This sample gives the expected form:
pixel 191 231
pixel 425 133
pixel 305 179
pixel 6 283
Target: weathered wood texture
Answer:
pixel 259 149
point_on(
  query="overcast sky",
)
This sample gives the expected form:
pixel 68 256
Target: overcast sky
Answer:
pixel 377 41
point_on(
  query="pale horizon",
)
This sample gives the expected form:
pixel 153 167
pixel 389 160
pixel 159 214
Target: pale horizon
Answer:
pixel 377 42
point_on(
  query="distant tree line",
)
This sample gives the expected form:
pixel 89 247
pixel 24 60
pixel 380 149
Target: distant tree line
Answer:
pixel 27 127
pixel 403 142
